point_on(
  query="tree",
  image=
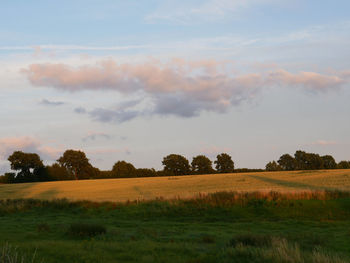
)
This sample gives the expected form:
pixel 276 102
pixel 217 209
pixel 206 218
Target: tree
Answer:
pixel 343 165
pixel 76 163
pixel 273 166
pixel 123 169
pixel 201 165
pixel 224 163
pixel 287 162
pixel 301 160
pixel 329 162
pixel 28 165
pixel 58 172
pixel 176 164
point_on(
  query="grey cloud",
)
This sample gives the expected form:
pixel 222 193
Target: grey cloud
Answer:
pixel 80 110
pixel 96 135
pixel 109 115
pixel 51 103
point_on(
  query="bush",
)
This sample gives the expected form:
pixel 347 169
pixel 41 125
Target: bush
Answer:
pixel 86 230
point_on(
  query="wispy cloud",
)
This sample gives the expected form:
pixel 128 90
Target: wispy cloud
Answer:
pixel 324 143
pixel 92 136
pixel 47 102
pixel 38 48
pixel 199 11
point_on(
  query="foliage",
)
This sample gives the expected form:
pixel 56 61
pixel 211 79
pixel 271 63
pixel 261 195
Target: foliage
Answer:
pixel 201 165
pixel 224 163
pixel 123 169
pixel 287 162
pixel 329 162
pixel 29 165
pixel 145 172
pixel 343 165
pixel 273 166
pixel 76 163
pixel 58 172
pixel 176 164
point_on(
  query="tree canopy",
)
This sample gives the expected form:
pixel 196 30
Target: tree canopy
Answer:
pixel 201 165
pixel 29 165
pixel 123 169
pixel 224 163
pixel 273 166
pixel 176 164
pixel 76 163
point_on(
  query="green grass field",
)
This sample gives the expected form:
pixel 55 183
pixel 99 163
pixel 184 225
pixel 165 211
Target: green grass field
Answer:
pixel 119 190
pixel 293 226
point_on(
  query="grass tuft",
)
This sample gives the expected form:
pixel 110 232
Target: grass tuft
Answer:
pixel 10 254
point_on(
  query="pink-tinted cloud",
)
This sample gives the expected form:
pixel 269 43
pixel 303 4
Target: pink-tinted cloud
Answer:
pixel 182 88
pixel 27 144
pixel 309 80
pixel 324 143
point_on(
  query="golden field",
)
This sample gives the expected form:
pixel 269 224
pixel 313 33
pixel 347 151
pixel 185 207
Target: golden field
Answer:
pixel 120 190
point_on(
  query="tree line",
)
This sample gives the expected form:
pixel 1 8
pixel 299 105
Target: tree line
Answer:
pixel 74 165
pixel 305 161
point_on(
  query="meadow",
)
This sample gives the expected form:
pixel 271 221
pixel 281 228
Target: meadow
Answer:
pixel 306 218
pixel 121 190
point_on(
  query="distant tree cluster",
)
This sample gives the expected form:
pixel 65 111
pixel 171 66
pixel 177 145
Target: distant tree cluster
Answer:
pixel 74 165
pixel 306 161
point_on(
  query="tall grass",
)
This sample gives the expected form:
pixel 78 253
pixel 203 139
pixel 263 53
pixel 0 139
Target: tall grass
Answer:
pixel 218 199
pixel 277 250
pixel 10 254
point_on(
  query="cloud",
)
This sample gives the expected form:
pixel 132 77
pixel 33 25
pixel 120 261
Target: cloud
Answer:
pixel 213 151
pixel 108 151
pixel 92 136
pixel 324 143
pixel 27 144
pixel 309 80
pixel 80 110
pixel 195 11
pixel 181 88
pixel 51 103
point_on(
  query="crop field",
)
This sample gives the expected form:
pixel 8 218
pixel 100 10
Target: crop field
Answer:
pixel 120 190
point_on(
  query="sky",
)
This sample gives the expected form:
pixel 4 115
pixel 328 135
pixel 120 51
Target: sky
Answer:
pixel 137 80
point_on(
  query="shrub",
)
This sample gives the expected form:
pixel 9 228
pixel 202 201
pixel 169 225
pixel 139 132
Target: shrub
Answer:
pixel 86 230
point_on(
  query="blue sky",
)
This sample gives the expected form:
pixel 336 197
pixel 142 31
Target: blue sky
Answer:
pixel 137 80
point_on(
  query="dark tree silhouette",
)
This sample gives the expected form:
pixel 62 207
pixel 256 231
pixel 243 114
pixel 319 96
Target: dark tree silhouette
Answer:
pixel 273 166
pixel 176 164
pixel 224 163
pixel 123 169
pixel 287 162
pixel 201 165
pixel 76 163
pixel 29 166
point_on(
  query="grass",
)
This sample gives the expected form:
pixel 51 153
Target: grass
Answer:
pixel 121 190
pixel 198 219
pixel 219 227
